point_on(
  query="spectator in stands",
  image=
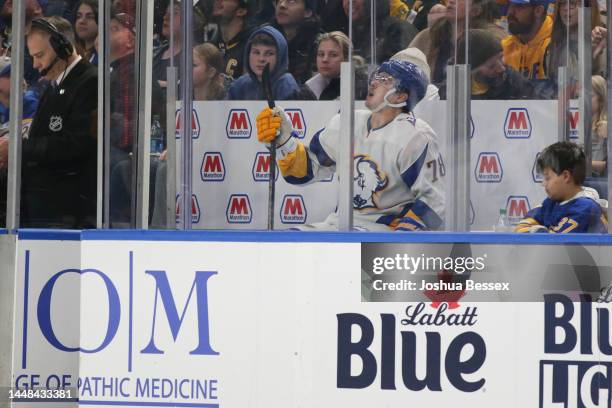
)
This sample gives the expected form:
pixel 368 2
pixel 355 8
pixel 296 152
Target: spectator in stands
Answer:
pixel 599 125
pixel 332 16
pixel 599 41
pixel 208 77
pixel 86 29
pixel 563 48
pixel 332 50
pixel 162 56
pixel 34 9
pixel 59 157
pixel 438 41
pixel 531 29
pixel 491 77
pixel 232 33
pixel 30 98
pixel 298 22
pixel 123 109
pixel 61 8
pixel 30 103
pixel 570 207
pixel 265 46
pixel 392 34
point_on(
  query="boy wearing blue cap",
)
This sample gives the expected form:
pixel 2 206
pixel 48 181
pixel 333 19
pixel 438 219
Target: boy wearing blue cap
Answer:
pixel 530 33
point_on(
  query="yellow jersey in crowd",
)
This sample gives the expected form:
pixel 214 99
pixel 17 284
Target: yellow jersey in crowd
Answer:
pixel 528 58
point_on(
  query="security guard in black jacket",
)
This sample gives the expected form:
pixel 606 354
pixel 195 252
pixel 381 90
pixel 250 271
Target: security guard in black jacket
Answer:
pixel 59 157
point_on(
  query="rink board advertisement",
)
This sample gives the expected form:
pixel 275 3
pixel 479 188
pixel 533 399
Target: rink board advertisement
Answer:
pixel 247 324
pixel 231 168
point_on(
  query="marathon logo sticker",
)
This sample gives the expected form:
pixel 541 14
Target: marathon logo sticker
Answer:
pixel 195 209
pixel 213 167
pixel 239 209
pixel 297 121
pixel 195 124
pixel 238 124
pixel 578 369
pixel 293 210
pixel 574 119
pixel 517 124
pixel 261 167
pixel 537 177
pixel 488 168
pixel 517 208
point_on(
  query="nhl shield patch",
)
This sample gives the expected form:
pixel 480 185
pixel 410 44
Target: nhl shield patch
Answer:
pixel 55 123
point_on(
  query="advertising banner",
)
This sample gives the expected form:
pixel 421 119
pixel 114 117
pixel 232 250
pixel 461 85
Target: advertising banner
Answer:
pixel 229 324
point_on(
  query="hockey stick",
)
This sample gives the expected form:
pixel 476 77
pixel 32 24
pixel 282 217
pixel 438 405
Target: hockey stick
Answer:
pixel 267 88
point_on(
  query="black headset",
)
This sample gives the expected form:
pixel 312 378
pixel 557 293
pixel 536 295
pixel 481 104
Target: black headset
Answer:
pixel 60 44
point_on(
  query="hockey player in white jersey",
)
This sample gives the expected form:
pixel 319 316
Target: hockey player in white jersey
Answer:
pixel 398 170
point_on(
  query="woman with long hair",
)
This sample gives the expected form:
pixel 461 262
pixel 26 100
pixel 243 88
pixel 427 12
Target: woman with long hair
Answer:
pixel 208 78
pixel 563 48
pixel 599 125
pixel 86 29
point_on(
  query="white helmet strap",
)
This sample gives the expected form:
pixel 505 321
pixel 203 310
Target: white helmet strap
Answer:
pixel 386 102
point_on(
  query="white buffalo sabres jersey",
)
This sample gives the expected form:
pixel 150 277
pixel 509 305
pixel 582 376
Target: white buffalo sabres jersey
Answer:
pixel 398 171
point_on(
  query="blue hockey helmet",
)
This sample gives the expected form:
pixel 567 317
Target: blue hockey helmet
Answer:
pixel 408 78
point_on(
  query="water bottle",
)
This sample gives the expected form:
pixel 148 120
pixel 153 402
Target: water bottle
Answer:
pixel 503 224
pixel 157 136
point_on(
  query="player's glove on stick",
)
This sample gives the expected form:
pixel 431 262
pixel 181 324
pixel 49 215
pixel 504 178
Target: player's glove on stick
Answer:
pixel 274 126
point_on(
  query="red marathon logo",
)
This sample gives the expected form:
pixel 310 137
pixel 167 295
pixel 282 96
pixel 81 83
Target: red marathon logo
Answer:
pixel 517 124
pixel 261 167
pixel 517 208
pixel 293 210
pixel 195 124
pixel 488 168
pixel 238 124
pixel 213 168
pixel 195 209
pixel 239 209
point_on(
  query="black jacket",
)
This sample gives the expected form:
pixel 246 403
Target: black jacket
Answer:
pixel 60 155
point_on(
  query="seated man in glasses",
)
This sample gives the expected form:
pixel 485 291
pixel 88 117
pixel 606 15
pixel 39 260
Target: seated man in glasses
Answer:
pixel 398 179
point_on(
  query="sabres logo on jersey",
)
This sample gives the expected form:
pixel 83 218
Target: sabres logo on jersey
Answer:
pixel 369 179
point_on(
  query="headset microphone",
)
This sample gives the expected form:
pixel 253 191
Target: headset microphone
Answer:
pixel 45 71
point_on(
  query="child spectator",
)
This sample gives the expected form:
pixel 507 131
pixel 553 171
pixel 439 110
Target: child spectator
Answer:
pixel 297 21
pixel 265 46
pixel 208 78
pixel 570 207
pixel 86 29
pixel 332 50
pixel 599 123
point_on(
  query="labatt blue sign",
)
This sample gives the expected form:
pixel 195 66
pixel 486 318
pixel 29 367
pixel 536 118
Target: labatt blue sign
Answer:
pixel 578 370
pixel 381 359
pixel 167 314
